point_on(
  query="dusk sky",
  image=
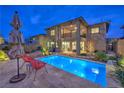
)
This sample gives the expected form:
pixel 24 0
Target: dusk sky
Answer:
pixel 35 19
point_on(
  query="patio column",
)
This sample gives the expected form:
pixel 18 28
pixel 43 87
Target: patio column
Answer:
pixel 78 38
pixel 59 38
pixel 56 35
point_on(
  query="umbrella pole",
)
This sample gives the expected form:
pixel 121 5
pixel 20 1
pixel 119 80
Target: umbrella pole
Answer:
pixel 18 66
pixel 19 77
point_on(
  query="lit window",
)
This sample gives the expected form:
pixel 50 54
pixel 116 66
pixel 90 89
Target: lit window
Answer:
pixel 82 31
pixel 73 45
pixel 62 31
pixel 1 40
pixel 95 30
pixel 56 44
pixel 82 45
pixel 71 25
pixel 52 44
pixel 52 32
pixel 75 28
pixel 73 31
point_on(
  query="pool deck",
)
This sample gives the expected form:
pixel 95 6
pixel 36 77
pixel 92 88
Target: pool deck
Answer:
pixel 55 78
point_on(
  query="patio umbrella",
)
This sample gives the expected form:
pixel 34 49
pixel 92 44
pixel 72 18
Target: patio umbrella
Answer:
pixel 18 77
pixel 17 36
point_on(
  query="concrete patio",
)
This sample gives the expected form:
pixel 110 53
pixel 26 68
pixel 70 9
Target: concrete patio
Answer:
pixel 55 78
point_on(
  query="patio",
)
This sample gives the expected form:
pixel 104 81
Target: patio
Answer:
pixel 55 78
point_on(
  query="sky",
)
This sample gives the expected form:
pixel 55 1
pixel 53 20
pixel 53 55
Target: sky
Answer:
pixel 35 19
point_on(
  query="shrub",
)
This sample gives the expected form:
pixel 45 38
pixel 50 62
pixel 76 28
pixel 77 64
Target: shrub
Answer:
pixel 83 54
pixel 120 75
pixel 121 62
pixel 6 48
pixel 112 58
pixel 101 56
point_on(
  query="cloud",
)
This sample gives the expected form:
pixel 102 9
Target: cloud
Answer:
pixel 35 19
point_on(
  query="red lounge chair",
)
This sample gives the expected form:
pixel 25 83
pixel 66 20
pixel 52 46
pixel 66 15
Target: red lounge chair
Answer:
pixel 38 65
pixel 26 58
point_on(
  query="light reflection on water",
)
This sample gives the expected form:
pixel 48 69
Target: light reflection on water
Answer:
pixel 95 70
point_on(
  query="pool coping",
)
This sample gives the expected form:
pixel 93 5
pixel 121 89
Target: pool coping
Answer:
pixel 76 58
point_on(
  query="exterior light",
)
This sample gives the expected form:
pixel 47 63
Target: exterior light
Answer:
pixel 75 28
pixel 71 25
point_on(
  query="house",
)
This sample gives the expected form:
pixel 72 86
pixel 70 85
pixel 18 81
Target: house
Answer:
pixel 77 36
pixel 40 39
pixel 35 42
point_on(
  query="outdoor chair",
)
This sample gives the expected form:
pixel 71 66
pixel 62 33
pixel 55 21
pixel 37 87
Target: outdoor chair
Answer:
pixel 34 64
pixel 26 59
pixel 37 65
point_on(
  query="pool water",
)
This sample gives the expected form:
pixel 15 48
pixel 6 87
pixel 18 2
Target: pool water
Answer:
pixel 92 71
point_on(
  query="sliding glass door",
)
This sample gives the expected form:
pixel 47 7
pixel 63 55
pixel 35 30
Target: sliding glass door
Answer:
pixel 65 46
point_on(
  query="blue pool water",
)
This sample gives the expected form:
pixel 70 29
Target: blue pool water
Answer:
pixel 92 71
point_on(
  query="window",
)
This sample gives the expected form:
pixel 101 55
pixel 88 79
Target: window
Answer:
pixel 1 40
pixel 83 33
pixel 57 45
pixel 52 32
pixel 95 30
pixel 75 28
pixel 73 31
pixel 65 46
pixel 82 45
pixel 74 45
pixel 52 44
pixel 62 31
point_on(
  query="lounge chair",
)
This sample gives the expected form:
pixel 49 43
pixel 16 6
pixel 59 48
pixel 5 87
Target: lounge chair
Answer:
pixel 35 64
pixel 26 59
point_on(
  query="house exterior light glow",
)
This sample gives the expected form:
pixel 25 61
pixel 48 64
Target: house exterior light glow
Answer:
pixel 1 40
pixel 78 37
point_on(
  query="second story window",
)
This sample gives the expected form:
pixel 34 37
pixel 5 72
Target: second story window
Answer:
pixel 52 32
pixel 95 30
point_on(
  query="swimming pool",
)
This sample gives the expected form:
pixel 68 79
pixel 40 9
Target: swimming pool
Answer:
pixel 89 70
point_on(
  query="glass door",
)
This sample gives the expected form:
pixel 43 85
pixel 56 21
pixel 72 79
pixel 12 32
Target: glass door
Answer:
pixel 65 46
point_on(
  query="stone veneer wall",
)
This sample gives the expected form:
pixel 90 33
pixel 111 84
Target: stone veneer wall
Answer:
pixel 99 39
pixel 120 47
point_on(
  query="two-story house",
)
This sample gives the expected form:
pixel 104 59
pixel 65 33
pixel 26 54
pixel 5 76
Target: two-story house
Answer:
pixel 78 37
